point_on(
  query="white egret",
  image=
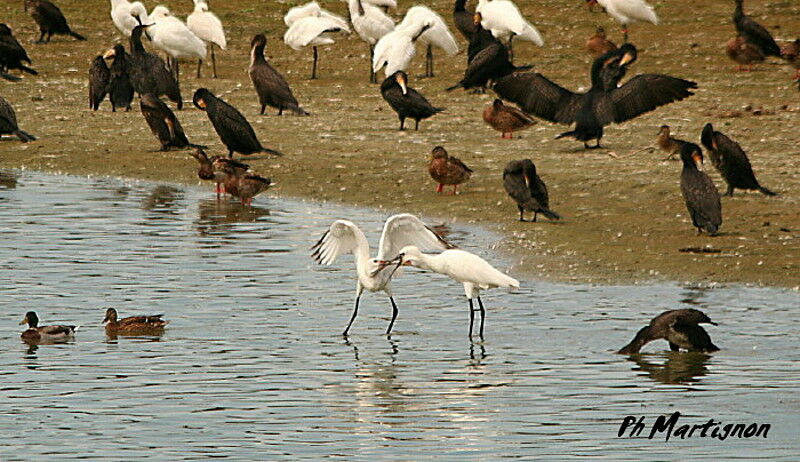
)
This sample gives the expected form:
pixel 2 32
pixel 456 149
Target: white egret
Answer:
pixel 627 12
pixel 208 28
pixel 370 23
pixel 127 15
pixel 313 31
pixel 345 237
pixel 467 268
pixel 436 34
pixel 503 19
pixel 171 35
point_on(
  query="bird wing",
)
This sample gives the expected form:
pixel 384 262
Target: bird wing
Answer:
pixel 696 335
pixel 341 238
pixel 395 50
pixel 208 27
pixel 459 163
pixel 227 119
pixel 8 118
pixel 56 330
pixel 641 94
pixel 702 198
pixel 99 76
pixel 537 95
pixel 756 33
pixel 268 80
pixel 307 29
pixel 515 186
pixel 155 114
pixel 731 153
pixel 406 229
pixel 416 102
pixel 299 12
pixel 53 15
pixel 373 24
pixel 637 10
pixel 437 34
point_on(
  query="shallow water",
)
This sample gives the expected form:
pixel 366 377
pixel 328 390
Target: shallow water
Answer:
pixel 253 366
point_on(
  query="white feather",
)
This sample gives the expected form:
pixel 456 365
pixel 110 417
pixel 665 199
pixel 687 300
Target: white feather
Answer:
pixel 504 20
pixel 206 25
pixel 437 35
pixel 171 35
pixel 311 31
pixel 629 11
pixel 313 9
pixel 124 14
pixel 372 24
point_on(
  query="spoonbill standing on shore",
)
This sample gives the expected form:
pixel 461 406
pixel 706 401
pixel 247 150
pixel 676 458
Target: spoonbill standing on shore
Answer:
pixel 436 34
pixel 313 31
pixel 370 23
pixel 396 49
pixel 467 268
pixel 627 12
pixel 208 28
pixel 172 36
pixel 374 274
pixel 504 20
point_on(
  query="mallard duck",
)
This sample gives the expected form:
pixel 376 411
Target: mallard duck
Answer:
pixel 133 325
pixel 681 328
pixel 45 334
pixel 245 186
pixel 598 44
pixel 791 53
pixel 506 119
pixel 213 168
pixel 668 143
pixel 699 192
pixel 731 161
pixel 744 53
pixel 447 170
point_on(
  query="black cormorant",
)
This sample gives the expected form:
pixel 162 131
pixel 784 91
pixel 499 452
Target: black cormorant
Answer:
pixel 527 189
pixel 8 122
pixel 699 192
pixel 681 328
pixel 233 129
pixel 148 73
pixel 12 55
pixel 463 19
pixel 272 88
pixel 163 123
pixel 731 161
pixel 753 32
pixel 406 102
pixel 50 20
pixel 99 75
pixel 120 89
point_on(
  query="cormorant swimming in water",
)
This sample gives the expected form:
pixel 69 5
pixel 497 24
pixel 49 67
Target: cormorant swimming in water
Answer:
pixel 681 328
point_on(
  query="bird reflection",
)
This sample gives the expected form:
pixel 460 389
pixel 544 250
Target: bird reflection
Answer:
pixel 163 199
pixel 679 368
pixel 112 337
pixel 8 180
pixel 477 353
pixel 695 295
pixel 216 217
pixel 377 382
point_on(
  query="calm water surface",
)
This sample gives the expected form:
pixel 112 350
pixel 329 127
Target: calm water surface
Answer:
pixel 252 366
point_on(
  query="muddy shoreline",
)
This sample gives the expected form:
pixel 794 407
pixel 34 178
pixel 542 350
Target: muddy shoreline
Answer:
pixel 625 221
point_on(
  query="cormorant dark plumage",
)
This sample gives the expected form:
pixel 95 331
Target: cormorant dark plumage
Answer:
pixel 527 189
pixel 99 75
pixel 681 328
pixel 50 20
pixel 447 170
pixel 754 32
pixel 12 55
pixel 506 119
pixel 272 88
pixel 604 103
pixel 701 196
pixel 120 89
pixel 8 122
pixel 668 143
pixel 406 102
pixel 148 73
pixel 731 161
pixel 463 19
pixel 233 129
pixel 163 123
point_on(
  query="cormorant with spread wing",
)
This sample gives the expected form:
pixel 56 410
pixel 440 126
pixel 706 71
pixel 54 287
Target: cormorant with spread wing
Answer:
pixel 604 103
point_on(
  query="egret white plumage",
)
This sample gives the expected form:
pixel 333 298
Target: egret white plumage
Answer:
pixel 396 49
pixel 386 5
pixel 504 20
pixel 313 31
pixel 208 28
pixel 313 9
pixel 127 15
pixel 370 23
pixel 469 269
pixel 345 237
pixel 171 35
pixel 436 34
pixel 628 12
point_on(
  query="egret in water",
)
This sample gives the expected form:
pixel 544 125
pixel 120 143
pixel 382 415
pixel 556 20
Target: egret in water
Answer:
pixel 467 268
pixel 375 274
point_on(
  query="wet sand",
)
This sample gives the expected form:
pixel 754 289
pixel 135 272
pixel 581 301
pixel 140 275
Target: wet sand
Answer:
pixel 624 218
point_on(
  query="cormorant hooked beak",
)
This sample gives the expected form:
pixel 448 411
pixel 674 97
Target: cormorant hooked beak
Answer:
pixel 401 80
pixel 627 58
pixel 109 54
pixel 698 160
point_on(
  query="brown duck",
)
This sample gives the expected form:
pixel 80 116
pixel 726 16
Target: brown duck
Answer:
pixel 791 53
pixel 669 144
pixel 133 325
pixel 598 44
pixel 679 327
pixel 506 119
pixel 744 53
pixel 213 168
pixel 447 170
pixel 245 186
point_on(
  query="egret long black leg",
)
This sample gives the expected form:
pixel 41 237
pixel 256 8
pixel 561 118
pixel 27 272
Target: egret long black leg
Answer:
pixel 373 77
pixel 314 67
pixel 199 66
pixel 483 315
pixel 429 61
pixel 394 316
pixel 213 62
pixel 471 316
pixel 353 317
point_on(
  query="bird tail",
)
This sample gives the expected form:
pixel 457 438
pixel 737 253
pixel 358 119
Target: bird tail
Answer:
pixel 298 110
pixel 28 69
pixel 526 67
pixel 77 35
pixel 766 191
pixel 458 85
pixel 549 214
pixel 271 151
pixel 572 133
pixel 439 109
pixel 24 136
pixel 9 77
pixel 197 146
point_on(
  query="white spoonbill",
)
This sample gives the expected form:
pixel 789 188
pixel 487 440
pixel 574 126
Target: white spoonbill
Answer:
pixel 171 35
pixel 208 28
pixel 467 268
pixel 437 34
pixel 503 19
pixel 386 5
pixel 396 49
pixel 627 12
pixel 313 9
pixel 313 31
pixel 126 15
pixel 345 237
pixel 370 23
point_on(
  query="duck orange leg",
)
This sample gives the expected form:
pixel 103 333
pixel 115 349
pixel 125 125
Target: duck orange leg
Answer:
pixel 440 188
pixel 455 189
